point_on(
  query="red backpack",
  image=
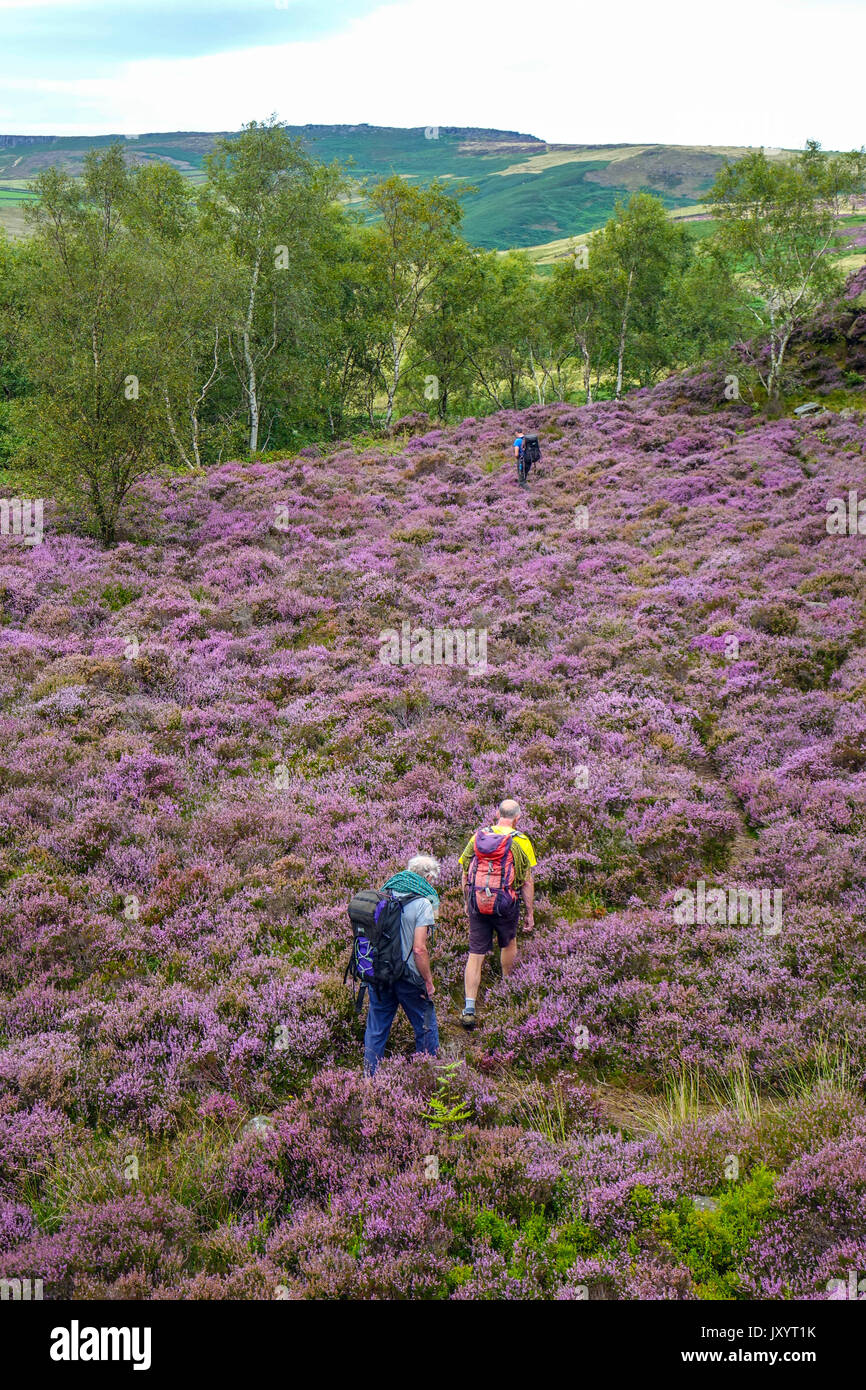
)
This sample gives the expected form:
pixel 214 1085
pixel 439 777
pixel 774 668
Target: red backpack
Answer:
pixel 491 873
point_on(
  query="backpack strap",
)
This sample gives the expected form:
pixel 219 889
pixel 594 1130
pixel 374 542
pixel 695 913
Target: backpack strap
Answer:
pixel 405 899
pixel 357 995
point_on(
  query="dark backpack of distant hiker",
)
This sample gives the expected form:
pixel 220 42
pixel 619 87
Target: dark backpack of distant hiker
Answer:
pixel 491 873
pixel 531 452
pixel 377 945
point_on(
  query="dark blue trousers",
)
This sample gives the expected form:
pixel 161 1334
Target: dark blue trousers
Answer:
pixel 384 1003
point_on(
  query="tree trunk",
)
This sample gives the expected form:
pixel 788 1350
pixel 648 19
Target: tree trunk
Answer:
pixel 252 385
pixel 194 405
pixel 778 350
pixel 103 520
pixel 539 394
pixel 175 437
pixel 396 357
pixel 194 426
pixel 488 390
pixel 622 336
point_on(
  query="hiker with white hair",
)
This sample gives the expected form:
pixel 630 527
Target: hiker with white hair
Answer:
pixel 393 928
pixel 497 869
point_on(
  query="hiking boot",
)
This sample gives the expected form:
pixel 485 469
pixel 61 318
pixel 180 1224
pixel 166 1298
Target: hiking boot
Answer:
pixel 467 1018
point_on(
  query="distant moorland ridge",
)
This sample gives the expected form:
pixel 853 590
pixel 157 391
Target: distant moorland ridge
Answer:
pixel 527 191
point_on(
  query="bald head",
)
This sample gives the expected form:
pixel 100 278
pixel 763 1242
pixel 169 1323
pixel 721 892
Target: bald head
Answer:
pixel 508 811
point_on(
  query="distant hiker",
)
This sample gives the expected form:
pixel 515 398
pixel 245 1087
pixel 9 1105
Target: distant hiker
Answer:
pixel 497 869
pixel 518 455
pixel 527 452
pixel 390 957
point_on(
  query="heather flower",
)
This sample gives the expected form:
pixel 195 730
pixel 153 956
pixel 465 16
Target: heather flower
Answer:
pixel 16 1224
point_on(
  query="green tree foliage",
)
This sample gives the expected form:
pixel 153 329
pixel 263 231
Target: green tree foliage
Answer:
pixel 194 278
pixel 500 323
pixel 581 317
pixel 639 254
pixel 345 344
pixel 13 383
pixel 272 205
pixel 780 220
pixel 410 251
pixel 440 350
pixel 90 341
pixel 706 308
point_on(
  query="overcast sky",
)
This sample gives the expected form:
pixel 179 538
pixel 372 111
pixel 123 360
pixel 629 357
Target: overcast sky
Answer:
pixel 740 72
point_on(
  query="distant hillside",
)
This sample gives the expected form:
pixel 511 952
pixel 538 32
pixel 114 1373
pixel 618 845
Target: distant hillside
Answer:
pixel 528 192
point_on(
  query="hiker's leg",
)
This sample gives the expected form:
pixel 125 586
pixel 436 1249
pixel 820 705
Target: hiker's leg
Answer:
pixel 506 930
pixel 472 974
pixel 421 1013
pixel 480 944
pixel 380 1016
pixel 507 957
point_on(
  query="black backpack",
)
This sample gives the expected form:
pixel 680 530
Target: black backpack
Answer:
pixel 377 945
pixel 531 451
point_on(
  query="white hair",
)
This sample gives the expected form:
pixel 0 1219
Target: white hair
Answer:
pixel 426 866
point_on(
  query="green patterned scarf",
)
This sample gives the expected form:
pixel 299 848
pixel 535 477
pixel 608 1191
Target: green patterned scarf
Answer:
pixel 406 882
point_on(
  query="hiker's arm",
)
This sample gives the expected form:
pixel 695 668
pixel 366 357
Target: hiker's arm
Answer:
pixel 422 959
pixel 527 893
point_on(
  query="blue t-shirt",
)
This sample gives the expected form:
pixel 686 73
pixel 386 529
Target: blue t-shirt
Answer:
pixel 418 913
pixel 518 443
